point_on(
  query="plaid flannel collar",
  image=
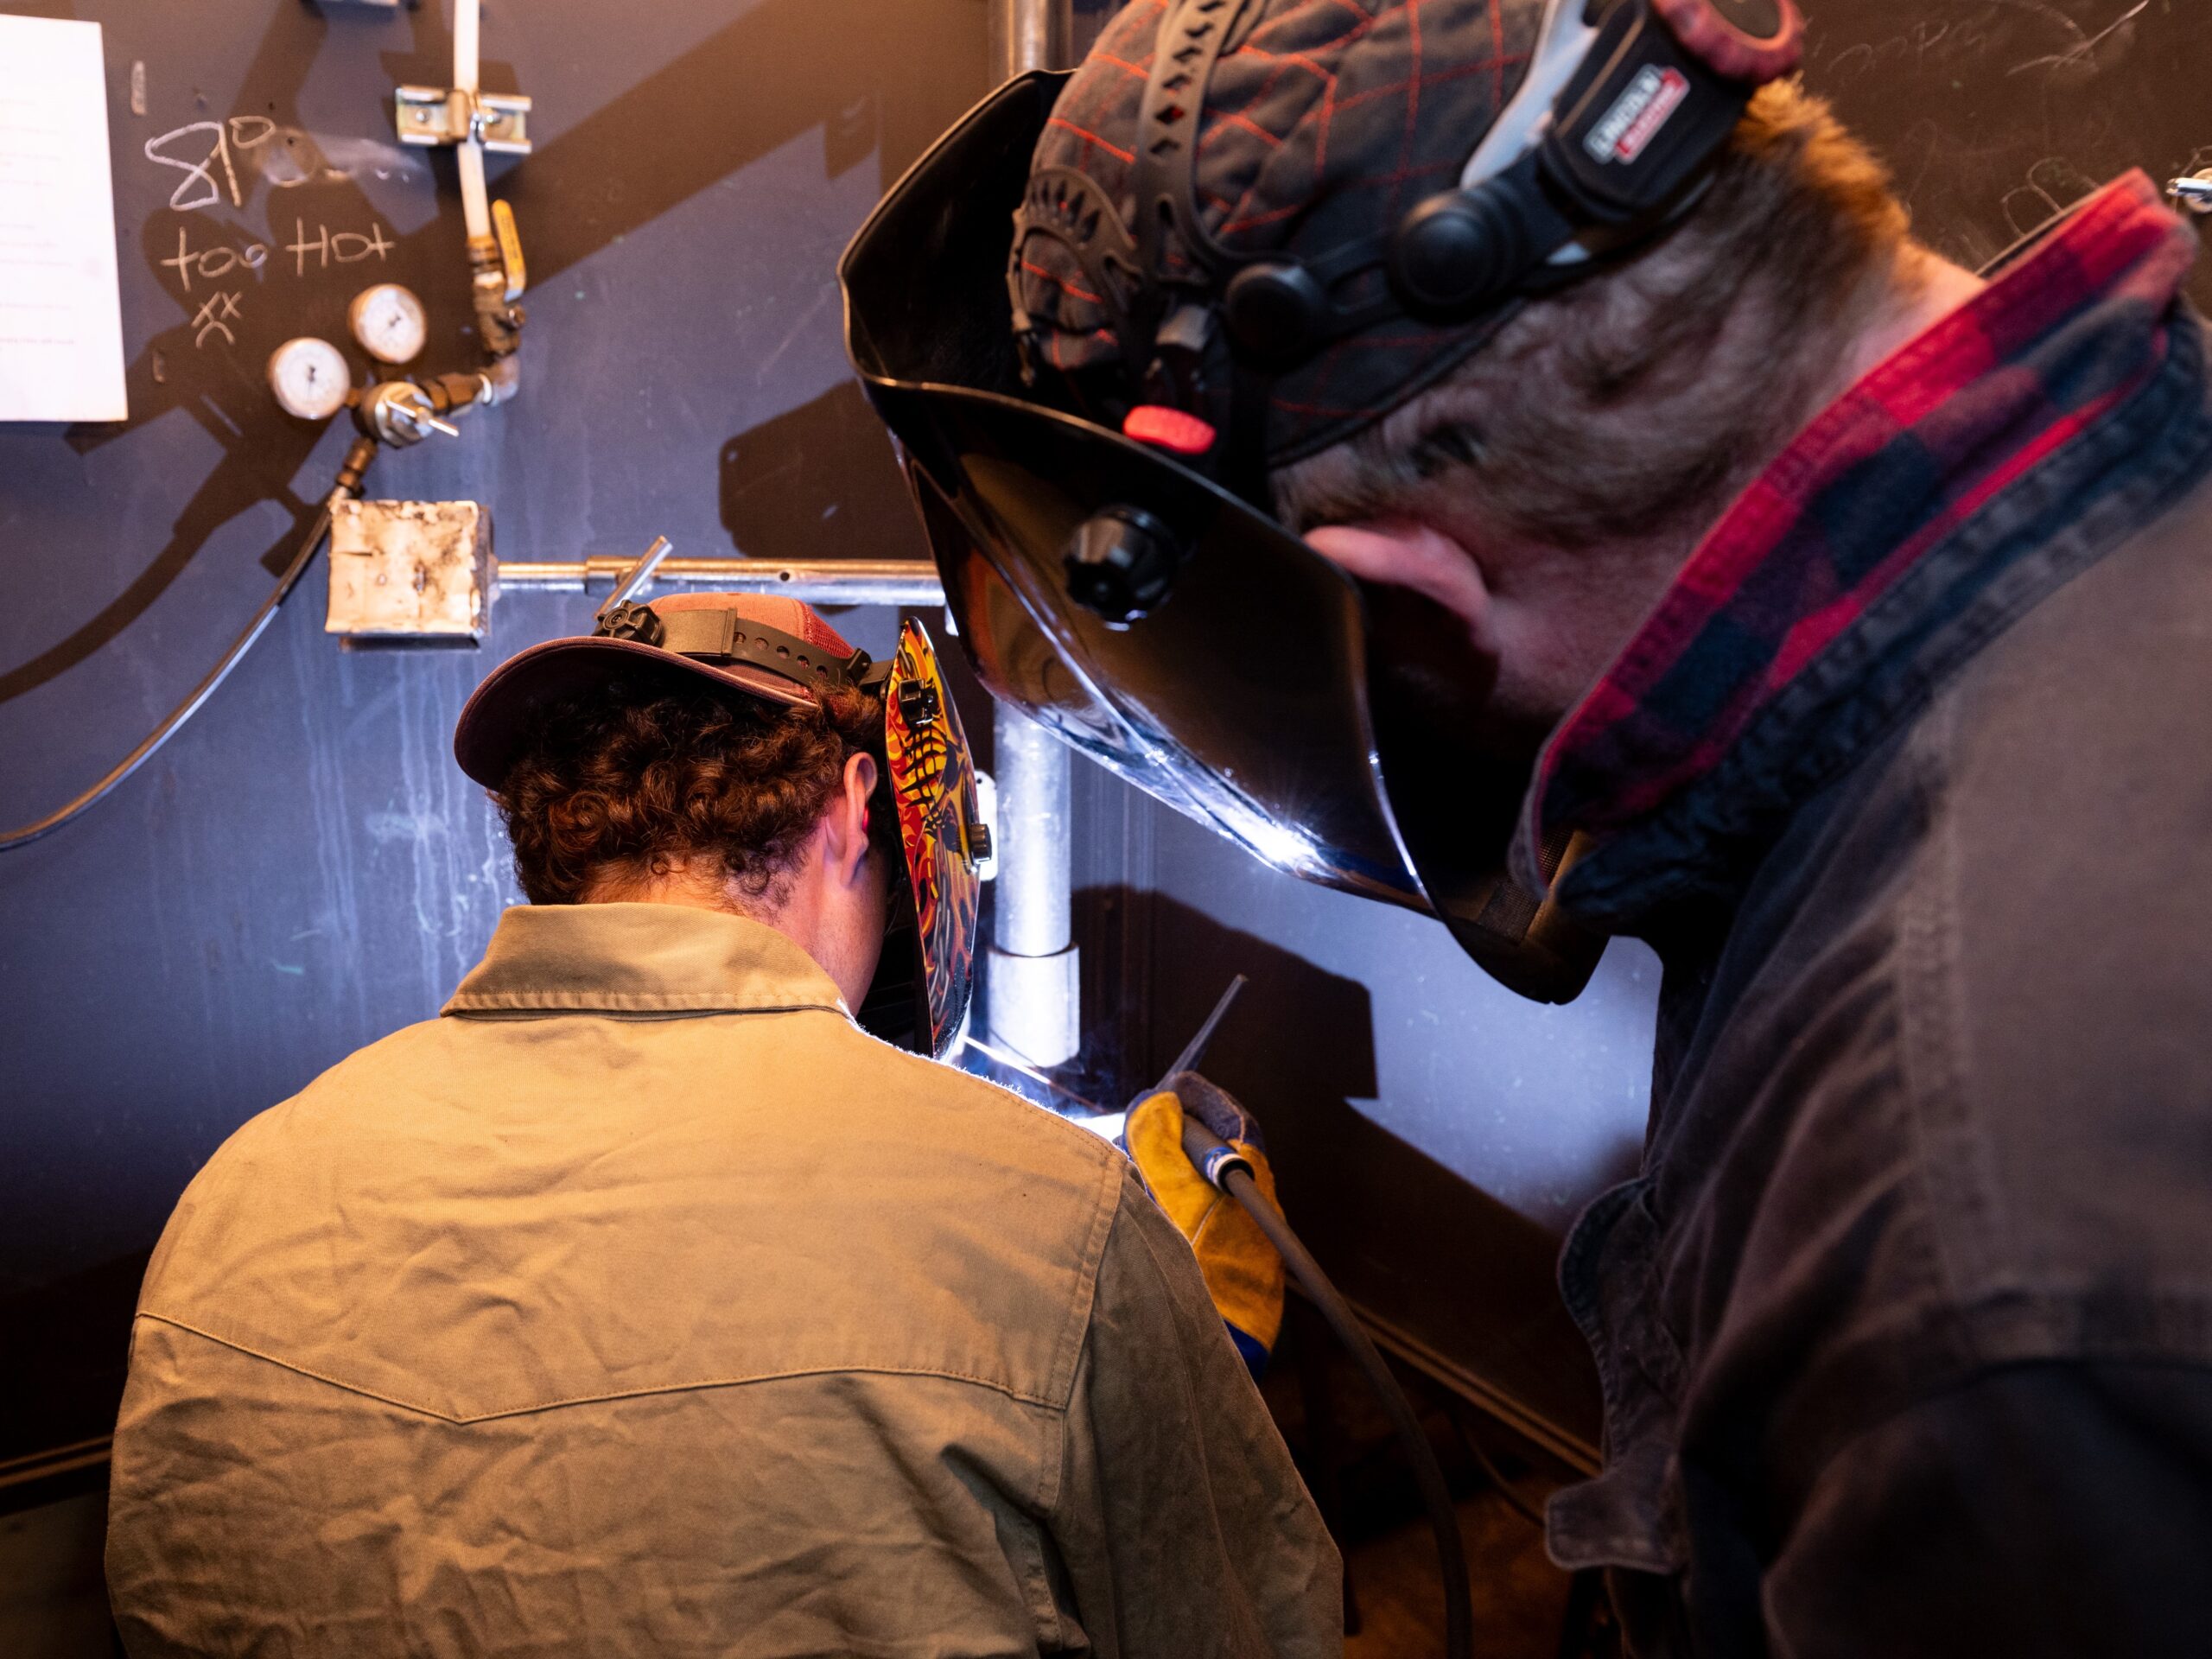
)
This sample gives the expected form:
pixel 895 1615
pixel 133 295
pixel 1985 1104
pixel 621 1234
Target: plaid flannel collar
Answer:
pixel 2070 328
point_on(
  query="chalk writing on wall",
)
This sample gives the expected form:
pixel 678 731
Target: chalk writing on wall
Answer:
pixel 208 154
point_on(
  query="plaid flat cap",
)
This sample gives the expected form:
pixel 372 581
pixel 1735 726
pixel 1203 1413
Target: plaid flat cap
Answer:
pixel 1325 121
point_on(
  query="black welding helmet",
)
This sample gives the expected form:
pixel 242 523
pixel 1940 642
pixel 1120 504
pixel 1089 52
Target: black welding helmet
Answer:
pixel 780 651
pixel 1108 561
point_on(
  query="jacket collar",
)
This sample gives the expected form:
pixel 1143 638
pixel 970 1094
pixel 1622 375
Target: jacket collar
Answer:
pixel 1861 566
pixel 640 959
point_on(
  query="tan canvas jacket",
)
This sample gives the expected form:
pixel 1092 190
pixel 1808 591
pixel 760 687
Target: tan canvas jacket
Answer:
pixel 644 1304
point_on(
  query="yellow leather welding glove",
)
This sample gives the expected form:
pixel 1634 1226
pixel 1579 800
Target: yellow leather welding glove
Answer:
pixel 1243 1272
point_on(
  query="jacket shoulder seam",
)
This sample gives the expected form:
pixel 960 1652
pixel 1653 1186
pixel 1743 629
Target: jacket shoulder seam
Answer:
pixel 686 1386
pixel 553 1004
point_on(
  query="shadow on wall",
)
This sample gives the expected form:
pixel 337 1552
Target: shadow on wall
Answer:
pixel 817 482
pixel 676 132
pixel 1452 1272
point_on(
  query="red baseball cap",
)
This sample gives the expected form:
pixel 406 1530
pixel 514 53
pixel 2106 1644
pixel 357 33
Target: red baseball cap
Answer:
pixel 777 649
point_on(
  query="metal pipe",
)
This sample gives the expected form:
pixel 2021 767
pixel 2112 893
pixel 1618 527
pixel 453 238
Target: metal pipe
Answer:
pixel 818 582
pixel 1032 986
pixel 1027 35
pixel 1033 989
pixel 1031 892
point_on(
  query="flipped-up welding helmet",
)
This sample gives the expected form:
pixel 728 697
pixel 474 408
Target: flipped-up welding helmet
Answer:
pixel 1094 481
pixel 782 652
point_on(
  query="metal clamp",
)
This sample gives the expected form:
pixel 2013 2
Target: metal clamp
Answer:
pixel 448 115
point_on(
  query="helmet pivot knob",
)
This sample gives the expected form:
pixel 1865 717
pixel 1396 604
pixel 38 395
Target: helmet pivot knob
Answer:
pixel 1119 563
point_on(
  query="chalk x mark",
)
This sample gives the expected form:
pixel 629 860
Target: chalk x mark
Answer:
pixel 209 319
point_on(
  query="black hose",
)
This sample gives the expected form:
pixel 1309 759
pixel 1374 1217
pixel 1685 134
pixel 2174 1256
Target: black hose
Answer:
pixel 349 479
pixel 1233 1176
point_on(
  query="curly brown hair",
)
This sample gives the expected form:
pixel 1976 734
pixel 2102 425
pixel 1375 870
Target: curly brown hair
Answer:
pixel 648 771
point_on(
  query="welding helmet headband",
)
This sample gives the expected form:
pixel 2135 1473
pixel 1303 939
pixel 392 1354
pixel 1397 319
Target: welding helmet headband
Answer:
pixel 1125 587
pixel 778 651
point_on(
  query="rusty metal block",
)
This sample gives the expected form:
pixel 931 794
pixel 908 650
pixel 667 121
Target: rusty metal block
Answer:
pixel 410 570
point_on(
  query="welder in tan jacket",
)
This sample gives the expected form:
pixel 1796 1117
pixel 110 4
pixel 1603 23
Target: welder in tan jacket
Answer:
pixel 642 1303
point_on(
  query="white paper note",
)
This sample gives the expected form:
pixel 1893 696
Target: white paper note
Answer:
pixel 60 320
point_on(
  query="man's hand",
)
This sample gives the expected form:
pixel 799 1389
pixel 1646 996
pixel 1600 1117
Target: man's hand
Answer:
pixel 1242 1269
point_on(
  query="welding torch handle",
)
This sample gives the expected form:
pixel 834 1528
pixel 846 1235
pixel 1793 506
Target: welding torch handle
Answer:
pixel 1210 1155
pixel 1229 1170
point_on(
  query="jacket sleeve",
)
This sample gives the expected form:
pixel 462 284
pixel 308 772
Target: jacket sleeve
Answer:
pixel 2045 1508
pixel 1181 1525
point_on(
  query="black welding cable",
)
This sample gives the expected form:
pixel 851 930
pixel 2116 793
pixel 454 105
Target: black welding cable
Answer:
pixel 1233 1176
pixel 349 479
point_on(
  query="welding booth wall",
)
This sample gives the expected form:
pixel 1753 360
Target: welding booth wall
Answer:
pixel 303 870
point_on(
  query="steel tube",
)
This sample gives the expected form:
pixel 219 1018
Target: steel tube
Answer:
pixel 1033 1004
pixel 1033 909
pixel 1030 999
pixel 1027 35
pixel 818 582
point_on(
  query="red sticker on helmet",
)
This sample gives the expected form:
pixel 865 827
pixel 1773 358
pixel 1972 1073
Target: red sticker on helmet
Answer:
pixel 1173 429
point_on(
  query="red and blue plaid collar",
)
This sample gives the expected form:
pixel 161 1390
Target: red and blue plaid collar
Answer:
pixel 1889 471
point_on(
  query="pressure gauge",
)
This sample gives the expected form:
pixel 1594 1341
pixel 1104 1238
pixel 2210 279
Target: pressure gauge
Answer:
pixel 309 378
pixel 389 322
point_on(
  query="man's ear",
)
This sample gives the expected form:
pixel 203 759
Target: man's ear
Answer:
pixel 847 819
pixel 1401 554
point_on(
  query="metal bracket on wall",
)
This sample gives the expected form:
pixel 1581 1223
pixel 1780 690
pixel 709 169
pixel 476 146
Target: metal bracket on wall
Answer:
pixel 442 115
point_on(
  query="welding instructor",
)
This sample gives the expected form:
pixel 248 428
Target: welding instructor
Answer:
pixel 642 1304
pixel 1512 459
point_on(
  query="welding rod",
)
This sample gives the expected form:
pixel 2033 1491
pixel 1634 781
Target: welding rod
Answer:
pixel 1195 1050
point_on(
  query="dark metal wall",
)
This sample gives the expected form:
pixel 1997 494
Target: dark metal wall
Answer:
pixel 303 870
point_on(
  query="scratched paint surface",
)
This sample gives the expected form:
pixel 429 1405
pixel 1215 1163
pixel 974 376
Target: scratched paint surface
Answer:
pixel 1996 114
pixel 303 869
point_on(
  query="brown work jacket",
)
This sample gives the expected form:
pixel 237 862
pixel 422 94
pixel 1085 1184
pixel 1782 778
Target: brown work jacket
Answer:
pixel 642 1304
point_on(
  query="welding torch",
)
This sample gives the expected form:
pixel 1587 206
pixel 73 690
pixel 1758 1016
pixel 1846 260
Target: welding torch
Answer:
pixel 1230 1171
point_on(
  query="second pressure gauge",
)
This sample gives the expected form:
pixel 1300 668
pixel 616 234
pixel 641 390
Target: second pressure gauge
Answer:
pixel 309 378
pixel 388 322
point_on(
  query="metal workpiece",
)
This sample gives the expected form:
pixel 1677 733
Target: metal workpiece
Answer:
pixel 1032 988
pixel 410 570
pixel 818 581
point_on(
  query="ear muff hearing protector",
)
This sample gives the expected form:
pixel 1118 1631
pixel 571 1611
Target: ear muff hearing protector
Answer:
pixel 1623 109
pixel 1638 123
